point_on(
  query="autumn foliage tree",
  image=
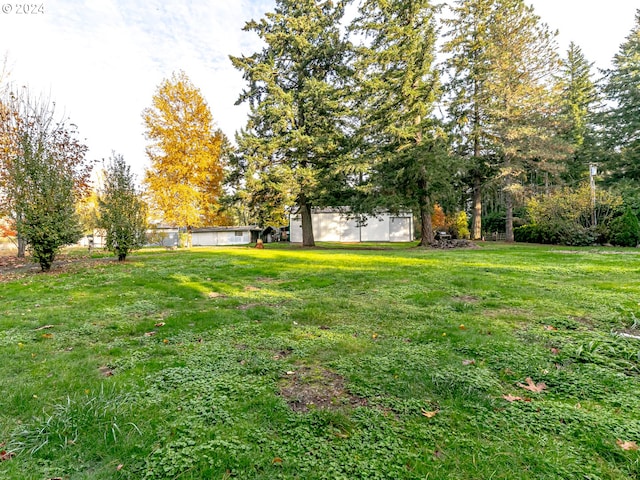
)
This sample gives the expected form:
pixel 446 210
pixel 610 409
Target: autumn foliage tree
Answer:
pixel 43 172
pixel 184 181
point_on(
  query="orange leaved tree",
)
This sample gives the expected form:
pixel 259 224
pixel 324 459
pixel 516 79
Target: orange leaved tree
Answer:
pixel 184 181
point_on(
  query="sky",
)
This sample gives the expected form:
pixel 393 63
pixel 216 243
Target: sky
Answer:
pixel 101 61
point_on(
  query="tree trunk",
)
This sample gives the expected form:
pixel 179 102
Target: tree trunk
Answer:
pixel 22 246
pixel 307 225
pixel 476 226
pixel 546 183
pixel 509 207
pixel 426 228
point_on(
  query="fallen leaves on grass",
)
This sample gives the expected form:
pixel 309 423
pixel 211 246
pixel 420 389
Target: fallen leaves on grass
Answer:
pixel 277 461
pixel 512 398
pixel 550 328
pixel 4 455
pixel 533 386
pixel 160 324
pixel 468 362
pixel 47 335
pixel 427 414
pixel 119 467
pixel 251 288
pixel 149 334
pixel 627 445
pixel 106 371
pixel 44 327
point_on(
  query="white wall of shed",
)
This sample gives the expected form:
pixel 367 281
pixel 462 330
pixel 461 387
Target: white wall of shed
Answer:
pixel 220 238
pixel 335 227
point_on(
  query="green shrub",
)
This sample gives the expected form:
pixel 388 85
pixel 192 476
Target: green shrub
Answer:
pixel 555 234
pixel 494 222
pixel 123 214
pixel 577 235
pixel 528 234
pixel 566 216
pixel 625 230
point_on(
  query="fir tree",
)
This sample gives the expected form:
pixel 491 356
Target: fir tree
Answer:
pixel 622 120
pixel 405 146
pixel 470 67
pixel 503 62
pixel 296 132
pixel 579 96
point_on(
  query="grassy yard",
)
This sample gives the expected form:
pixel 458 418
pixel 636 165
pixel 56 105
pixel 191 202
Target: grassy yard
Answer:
pixel 346 363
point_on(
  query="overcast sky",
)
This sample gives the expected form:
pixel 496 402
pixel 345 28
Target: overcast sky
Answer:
pixel 101 60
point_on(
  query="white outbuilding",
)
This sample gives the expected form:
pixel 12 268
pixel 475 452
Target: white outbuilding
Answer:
pixel 212 236
pixel 336 225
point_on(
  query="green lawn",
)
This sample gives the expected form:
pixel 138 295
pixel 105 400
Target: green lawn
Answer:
pixel 342 363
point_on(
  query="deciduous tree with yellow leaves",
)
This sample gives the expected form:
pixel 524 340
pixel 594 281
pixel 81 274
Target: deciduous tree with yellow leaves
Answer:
pixel 184 181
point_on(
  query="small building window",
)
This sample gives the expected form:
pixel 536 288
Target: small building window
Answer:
pixel 238 233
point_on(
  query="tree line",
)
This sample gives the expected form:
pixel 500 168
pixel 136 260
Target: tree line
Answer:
pixel 471 109
pixel 465 111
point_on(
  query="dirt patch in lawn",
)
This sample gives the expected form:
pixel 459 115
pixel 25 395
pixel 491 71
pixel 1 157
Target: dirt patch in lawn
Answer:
pixel 308 388
pixel 282 354
pixel 587 322
pixel 13 268
pixel 466 299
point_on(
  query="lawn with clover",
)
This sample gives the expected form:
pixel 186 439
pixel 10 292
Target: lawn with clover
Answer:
pixel 357 362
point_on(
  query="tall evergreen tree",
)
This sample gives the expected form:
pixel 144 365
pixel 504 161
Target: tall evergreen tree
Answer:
pixel 525 109
pixel 399 86
pixel 296 130
pixel 578 96
pixel 470 67
pixel 503 90
pixel 622 119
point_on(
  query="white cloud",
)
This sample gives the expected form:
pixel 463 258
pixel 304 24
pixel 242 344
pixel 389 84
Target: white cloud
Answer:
pixel 597 27
pixel 101 61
